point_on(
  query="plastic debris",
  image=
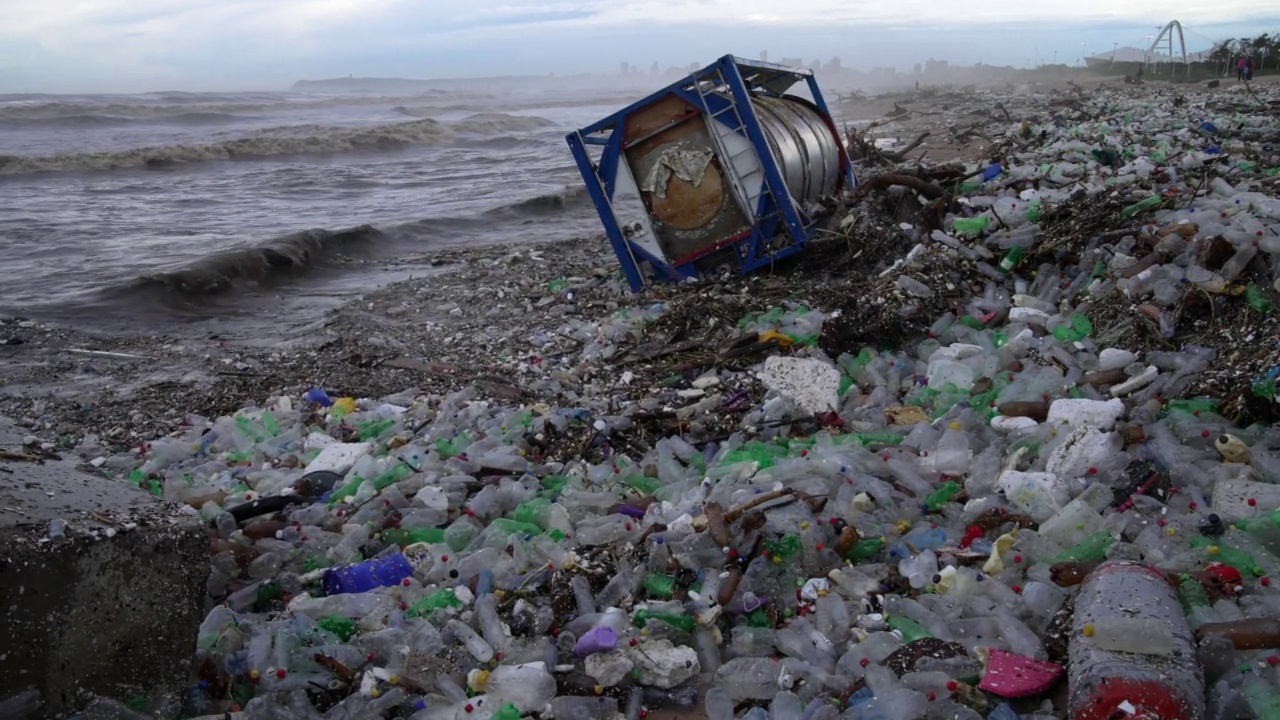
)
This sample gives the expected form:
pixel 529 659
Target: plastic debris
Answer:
pixel 909 489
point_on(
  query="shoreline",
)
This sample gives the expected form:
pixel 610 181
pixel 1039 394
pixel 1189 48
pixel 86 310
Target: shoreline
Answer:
pixel 497 293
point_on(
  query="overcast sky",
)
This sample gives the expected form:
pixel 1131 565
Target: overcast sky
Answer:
pixel 136 45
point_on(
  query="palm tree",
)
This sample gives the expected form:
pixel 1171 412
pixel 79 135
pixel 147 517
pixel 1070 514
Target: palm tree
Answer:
pixel 1222 55
pixel 1258 48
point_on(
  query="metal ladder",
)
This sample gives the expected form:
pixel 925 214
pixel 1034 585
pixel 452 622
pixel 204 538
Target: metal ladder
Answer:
pixel 718 86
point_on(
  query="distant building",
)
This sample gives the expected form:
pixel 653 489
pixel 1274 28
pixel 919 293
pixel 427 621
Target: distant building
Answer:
pixel 1138 55
pixel 653 69
pixel 764 56
pixel 792 62
pixel 626 68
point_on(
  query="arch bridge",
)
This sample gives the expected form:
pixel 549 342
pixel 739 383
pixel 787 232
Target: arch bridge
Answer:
pixel 1166 37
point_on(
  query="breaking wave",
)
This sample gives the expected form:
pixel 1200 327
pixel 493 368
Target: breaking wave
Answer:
pixel 500 122
pixel 569 198
pixel 94 120
pixel 171 105
pixel 482 122
pixel 289 255
pixel 275 142
pixel 294 255
pixel 487 224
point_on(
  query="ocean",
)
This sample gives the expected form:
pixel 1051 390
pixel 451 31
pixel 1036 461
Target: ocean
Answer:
pixel 187 211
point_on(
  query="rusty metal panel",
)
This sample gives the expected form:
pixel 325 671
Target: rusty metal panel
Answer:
pixel 691 216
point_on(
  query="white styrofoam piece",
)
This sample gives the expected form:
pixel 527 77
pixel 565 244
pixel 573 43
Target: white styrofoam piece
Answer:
pixel 339 457
pixel 1080 412
pixel 812 384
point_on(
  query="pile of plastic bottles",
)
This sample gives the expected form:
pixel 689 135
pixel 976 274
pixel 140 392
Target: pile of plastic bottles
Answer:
pixel 1003 507
pixel 796 324
pixel 404 554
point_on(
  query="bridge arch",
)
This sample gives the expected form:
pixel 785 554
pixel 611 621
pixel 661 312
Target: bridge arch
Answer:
pixel 1167 32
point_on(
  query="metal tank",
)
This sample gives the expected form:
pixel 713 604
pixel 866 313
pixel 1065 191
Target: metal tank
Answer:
pixel 721 170
pixel 803 142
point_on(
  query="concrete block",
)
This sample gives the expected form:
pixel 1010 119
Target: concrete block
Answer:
pixel 113 609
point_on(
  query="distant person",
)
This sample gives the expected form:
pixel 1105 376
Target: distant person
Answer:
pixel 1240 68
pixel 1248 69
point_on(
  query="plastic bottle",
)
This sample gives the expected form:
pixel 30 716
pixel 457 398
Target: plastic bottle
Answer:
pixel 365 576
pixel 1141 205
pixel 1106 682
pixel 971 226
pixel 1247 634
pixel 952 455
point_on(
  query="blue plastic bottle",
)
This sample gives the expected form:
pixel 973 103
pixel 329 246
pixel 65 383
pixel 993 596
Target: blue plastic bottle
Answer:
pixel 368 575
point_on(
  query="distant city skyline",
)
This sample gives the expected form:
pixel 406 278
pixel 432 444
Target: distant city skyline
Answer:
pixel 142 45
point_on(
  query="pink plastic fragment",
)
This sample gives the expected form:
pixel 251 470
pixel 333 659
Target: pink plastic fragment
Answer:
pixel 1015 676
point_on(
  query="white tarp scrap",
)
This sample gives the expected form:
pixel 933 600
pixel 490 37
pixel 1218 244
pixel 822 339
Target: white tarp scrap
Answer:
pixel 688 165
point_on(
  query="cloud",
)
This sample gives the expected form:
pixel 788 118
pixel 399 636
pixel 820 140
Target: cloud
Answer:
pixel 134 44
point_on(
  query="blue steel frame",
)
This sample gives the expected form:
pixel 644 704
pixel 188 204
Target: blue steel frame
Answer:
pixel 743 79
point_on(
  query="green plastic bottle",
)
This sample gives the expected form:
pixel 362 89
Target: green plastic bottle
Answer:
pixel 343 627
pixel 1141 205
pixel 507 712
pixel 866 549
pixel 1093 547
pixel 1261 525
pixel 346 491
pixel 910 629
pixel 786 547
pixel 374 428
pixel 409 536
pixel 246 426
pixel 1035 210
pixel 1011 259
pixel 435 601
pixel 1191 406
pixel 971 226
pixel 1238 559
pixel 530 512
pixel 315 562
pixel 1079 329
pixel 935 500
pixel 451 448
pixel 398 472
pixel 553 485
pixel 509 526
pixel 1263 699
pixel 642 484
pixel 1256 299
pixel 662 586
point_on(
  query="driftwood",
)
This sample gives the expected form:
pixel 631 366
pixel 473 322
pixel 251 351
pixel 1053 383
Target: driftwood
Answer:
pixel 881 182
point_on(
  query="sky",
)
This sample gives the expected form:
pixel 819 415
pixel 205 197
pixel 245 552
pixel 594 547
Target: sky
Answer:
pixel 143 45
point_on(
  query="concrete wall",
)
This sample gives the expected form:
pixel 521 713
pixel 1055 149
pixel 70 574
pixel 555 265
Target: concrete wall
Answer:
pixel 114 609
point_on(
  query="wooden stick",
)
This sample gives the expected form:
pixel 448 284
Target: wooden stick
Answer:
pixel 880 182
pixel 755 502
